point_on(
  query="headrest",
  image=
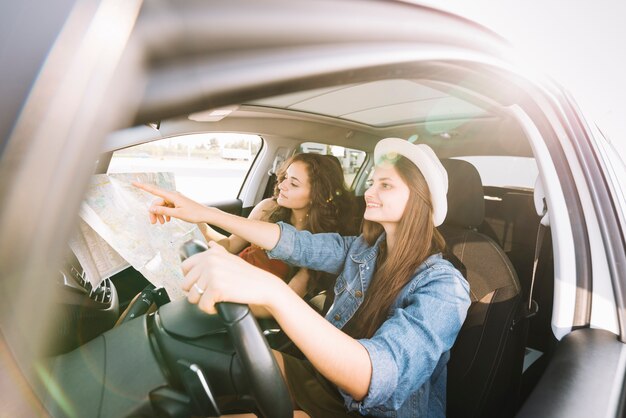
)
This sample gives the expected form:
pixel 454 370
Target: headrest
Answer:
pixel 424 158
pixel 466 200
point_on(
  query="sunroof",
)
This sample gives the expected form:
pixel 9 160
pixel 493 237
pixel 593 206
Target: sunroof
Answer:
pixel 378 103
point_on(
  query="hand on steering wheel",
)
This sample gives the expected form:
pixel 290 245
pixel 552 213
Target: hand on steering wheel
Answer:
pixel 266 381
pixel 217 275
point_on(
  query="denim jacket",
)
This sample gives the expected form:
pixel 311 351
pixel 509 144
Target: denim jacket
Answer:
pixel 410 350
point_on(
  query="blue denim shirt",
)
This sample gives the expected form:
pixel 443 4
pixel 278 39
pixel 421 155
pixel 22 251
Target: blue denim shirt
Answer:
pixel 410 350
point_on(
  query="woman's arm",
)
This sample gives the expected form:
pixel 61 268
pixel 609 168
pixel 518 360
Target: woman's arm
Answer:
pixel 340 358
pixel 234 243
pixel 297 284
pixel 211 234
pixel 337 356
pixel 175 205
pixel 323 252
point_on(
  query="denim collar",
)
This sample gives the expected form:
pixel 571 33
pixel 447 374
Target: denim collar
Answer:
pixel 430 261
pixel 370 252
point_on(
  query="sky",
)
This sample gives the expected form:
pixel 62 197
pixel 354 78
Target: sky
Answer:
pixel 579 43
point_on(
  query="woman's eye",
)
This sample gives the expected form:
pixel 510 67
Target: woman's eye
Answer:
pixel 385 185
pixel 369 183
pixel 293 185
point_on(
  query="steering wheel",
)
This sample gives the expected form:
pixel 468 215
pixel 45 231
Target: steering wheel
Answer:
pixel 266 381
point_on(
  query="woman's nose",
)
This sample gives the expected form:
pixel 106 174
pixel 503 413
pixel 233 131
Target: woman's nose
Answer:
pixel 282 185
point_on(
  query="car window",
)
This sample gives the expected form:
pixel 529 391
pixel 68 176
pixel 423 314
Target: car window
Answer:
pixel 505 171
pixel 207 167
pixel 351 159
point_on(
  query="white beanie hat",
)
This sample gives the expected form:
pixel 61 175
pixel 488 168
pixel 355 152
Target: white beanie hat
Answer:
pixel 428 164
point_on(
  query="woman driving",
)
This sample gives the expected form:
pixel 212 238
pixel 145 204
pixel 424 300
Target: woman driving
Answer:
pixel 383 347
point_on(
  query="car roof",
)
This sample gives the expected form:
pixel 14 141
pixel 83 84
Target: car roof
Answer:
pixel 358 115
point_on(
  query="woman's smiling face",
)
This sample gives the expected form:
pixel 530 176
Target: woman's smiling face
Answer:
pixel 386 198
pixel 295 189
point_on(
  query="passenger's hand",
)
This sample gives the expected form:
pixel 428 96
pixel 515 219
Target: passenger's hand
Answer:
pixel 216 275
pixel 172 204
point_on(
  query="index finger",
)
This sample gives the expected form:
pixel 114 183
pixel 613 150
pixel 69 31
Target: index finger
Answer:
pixel 157 191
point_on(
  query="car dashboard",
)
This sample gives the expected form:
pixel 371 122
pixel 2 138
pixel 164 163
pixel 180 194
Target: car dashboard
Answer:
pixel 84 311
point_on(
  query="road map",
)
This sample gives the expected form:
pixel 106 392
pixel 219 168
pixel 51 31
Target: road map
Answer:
pixel 117 232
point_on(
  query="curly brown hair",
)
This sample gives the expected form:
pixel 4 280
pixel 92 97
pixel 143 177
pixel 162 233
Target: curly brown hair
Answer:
pixel 332 209
pixel 332 204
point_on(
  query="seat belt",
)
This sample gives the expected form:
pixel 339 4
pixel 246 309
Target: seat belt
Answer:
pixel 531 307
pixel 544 224
pixel 279 159
pixel 539 197
pixel 269 187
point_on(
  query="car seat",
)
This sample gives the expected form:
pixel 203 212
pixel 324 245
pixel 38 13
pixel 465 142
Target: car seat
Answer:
pixel 486 360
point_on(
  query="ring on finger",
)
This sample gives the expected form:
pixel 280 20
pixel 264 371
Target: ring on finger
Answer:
pixel 198 288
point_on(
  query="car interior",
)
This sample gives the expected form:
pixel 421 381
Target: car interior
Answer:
pixel 490 230
pixel 210 98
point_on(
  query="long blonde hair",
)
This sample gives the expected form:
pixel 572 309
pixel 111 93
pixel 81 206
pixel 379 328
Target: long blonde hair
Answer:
pixel 416 239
